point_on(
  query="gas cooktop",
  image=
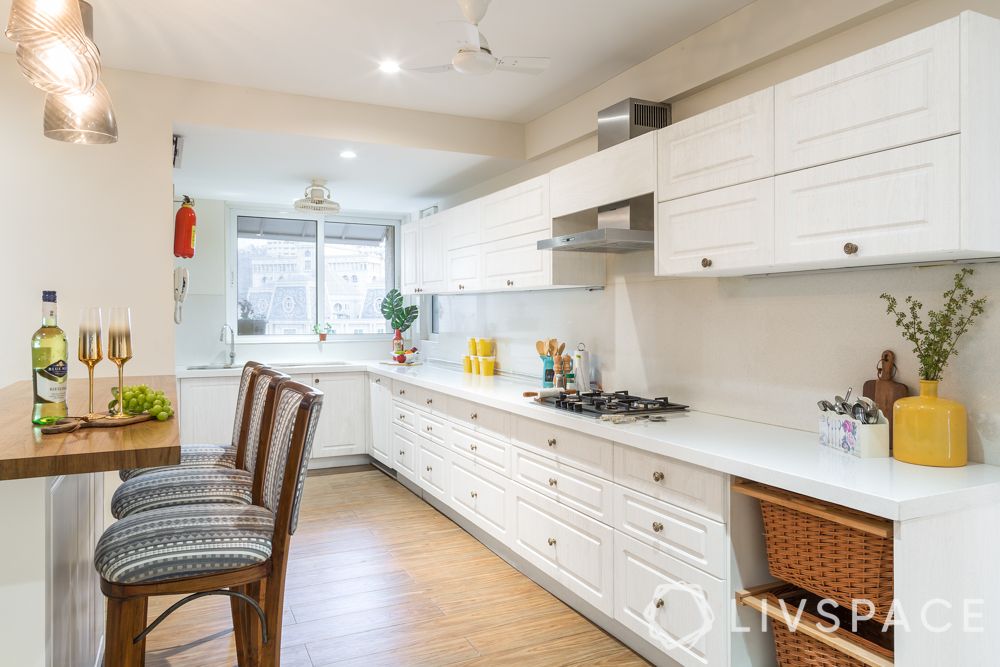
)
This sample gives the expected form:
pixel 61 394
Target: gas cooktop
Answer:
pixel 617 403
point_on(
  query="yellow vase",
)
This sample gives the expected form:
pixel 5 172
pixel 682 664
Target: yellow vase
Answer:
pixel 928 430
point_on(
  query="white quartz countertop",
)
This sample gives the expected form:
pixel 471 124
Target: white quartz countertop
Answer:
pixel 292 368
pixel 787 458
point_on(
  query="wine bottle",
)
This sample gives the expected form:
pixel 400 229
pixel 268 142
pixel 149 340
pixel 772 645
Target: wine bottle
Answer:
pixel 48 362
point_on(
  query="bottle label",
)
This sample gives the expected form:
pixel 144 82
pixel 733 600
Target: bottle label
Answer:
pixel 50 382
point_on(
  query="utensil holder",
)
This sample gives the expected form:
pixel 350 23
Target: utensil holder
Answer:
pixel 548 371
pixel 850 436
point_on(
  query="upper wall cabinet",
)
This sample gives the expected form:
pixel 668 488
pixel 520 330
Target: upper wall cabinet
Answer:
pixel 409 280
pixel 724 146
pixel 896 94
pixel 520 209
pixel 609 176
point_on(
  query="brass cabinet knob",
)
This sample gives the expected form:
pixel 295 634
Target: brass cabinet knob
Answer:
pixel 315 380
pixel 659 603
pixel 461 287
pixel 851 248
pixel 553 481
pixel 402 392
pixel 429 428
pixel 552 442
pixel 402 417
pixel 402 452
pixel 706 262
pixel 657 527
pixel 473 494
pixel 474 415
pixel 473 447
pixel 510 283
pixel 657 476
pixel 378 380
pixel 552 541
pixel 429 401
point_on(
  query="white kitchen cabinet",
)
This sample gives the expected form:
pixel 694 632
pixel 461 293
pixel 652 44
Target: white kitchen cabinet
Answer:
pixel 612 175
pixel 380 403
pixel 463 225
pixel 568 546
pixel 488 452
pixel 339 431
pixel 481 495
pixel 432 468
pixel 574 488
pixel 584 452
pixel 480 418
pixel 517 263
pixel 404 450
pixel 207 409
pixel 727 145
pixel 409 279
pixel 517 210
pixel 894 206
pixel 721 232
pixel 465 269
pixel 899 93
pixel 433 276
pixel 650 582
pixel 674 481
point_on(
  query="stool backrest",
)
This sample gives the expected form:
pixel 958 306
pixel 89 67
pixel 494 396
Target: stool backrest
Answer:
pixel 247 379
pixel 260 409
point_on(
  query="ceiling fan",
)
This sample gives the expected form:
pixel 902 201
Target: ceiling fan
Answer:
pixel 474 53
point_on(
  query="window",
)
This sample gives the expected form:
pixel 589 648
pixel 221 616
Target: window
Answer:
pixel 288 278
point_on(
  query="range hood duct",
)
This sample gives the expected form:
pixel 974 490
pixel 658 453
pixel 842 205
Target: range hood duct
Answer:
pixel 625 226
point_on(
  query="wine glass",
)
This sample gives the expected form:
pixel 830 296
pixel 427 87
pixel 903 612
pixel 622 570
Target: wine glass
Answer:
pixel 120 351
pixel 89 351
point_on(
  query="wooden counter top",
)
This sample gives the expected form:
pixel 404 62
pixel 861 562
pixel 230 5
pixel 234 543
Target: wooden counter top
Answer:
pixel 25 452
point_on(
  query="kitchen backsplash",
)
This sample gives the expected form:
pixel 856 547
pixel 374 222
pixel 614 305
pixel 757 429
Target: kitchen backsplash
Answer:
pixel 764 349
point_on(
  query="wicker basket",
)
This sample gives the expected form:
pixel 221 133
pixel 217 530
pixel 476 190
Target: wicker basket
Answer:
pixel 827 549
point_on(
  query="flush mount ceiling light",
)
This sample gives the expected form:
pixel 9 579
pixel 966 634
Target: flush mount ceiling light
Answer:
pixel 81 118
pixel 53 49
pixel 348 154
pixel 388 67
pixel 317 198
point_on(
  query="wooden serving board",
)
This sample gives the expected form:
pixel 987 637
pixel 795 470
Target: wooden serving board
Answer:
pixel 885 391
pixel 70 424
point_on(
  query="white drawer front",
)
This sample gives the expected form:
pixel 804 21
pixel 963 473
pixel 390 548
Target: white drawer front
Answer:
pixel 730 144
pixel 895 94
pixel 486 451
pixel 425 399
pixel 480 417
pixel 640 571
pixel 723 231
pixel 575 549
pixel 692 487
pixel 462 486
pixel 483 496
pixel 889 205
pixel 404 415
pixel 684 535
pixel 432 428
pixel 404 452
pixel 432 469
pixel 581 491
pixel 593 455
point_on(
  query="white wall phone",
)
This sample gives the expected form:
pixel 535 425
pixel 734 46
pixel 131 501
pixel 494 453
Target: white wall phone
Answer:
pixel 181 279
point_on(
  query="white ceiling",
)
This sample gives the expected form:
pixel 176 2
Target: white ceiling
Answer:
pixel 330 48
pixel 241 166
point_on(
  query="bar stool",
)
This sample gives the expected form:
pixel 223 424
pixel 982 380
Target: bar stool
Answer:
pixel 213 549
pixel 171 486
pixel 218 456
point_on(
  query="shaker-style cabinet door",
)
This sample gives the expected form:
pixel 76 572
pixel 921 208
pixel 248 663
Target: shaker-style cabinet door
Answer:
pixel 409 242
pixel 380 401
pixel 341 430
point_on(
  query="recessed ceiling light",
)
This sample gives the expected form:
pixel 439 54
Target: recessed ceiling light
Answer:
pixel 388 66
pixel 348 154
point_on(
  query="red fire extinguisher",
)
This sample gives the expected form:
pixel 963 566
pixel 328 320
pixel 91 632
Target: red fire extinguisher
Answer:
pixel 184 229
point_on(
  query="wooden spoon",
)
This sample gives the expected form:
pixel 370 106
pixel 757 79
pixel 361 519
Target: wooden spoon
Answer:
pixel 562 346
pixel 540 348
pixel 552 346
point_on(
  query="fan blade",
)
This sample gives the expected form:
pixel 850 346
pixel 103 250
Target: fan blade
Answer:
pixel 474 10
pixel 433 69
pixel 522 64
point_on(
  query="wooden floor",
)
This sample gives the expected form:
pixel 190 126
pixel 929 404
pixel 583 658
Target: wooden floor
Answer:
pixel 378 577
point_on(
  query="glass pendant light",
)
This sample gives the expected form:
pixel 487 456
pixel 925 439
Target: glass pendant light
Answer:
pixel 82 118
pixel 54 52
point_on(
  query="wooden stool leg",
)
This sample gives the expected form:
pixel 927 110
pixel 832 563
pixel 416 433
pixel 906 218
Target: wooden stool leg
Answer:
pixel 253 642
pixel 274 594
pixel 239 626
pixel 126 618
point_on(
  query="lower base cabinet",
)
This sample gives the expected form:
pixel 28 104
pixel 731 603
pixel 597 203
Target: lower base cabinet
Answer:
pixel 432 469
pixel 403 449
pixel 481 495
pixel 659 597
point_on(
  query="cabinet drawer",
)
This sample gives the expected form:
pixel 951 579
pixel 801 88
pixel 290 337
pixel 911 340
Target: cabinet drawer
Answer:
pixel 891 205
pixel 646 579
pixel 404 415
pixel 486 451
pixel 404 452
pixel 573 548
pixel 432 469
pixel 482 496
pixel 723 231
pixel 432 428
pixel 895 94
pixel 582 491
pixel 425 399
pixel 612 175
pixel 479 417
pixel 590 454
pixel 684 535
pixel 730 144
pixel 692 487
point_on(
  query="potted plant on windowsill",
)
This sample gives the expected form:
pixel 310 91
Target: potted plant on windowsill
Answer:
pixel 928 430
pixel 323 330
pixel 400 318
pixel 248 323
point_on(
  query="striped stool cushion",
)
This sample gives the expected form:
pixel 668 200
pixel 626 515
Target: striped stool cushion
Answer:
pixel 181 485
pixel 181 542
pixel 193 456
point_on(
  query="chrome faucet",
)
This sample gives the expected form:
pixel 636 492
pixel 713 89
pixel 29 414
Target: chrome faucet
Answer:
pixel 228 336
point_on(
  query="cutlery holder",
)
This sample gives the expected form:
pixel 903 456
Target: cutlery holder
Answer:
pixel 850 436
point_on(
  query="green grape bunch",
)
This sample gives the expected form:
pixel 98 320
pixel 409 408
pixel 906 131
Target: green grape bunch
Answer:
pixel 141 399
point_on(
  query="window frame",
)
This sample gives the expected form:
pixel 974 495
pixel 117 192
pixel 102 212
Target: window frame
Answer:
pixel 235 210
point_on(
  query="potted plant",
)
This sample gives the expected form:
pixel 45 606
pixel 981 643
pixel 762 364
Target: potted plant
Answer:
pixel 400 318
pixel 928 430
pixel 248 324
pixel 323 330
